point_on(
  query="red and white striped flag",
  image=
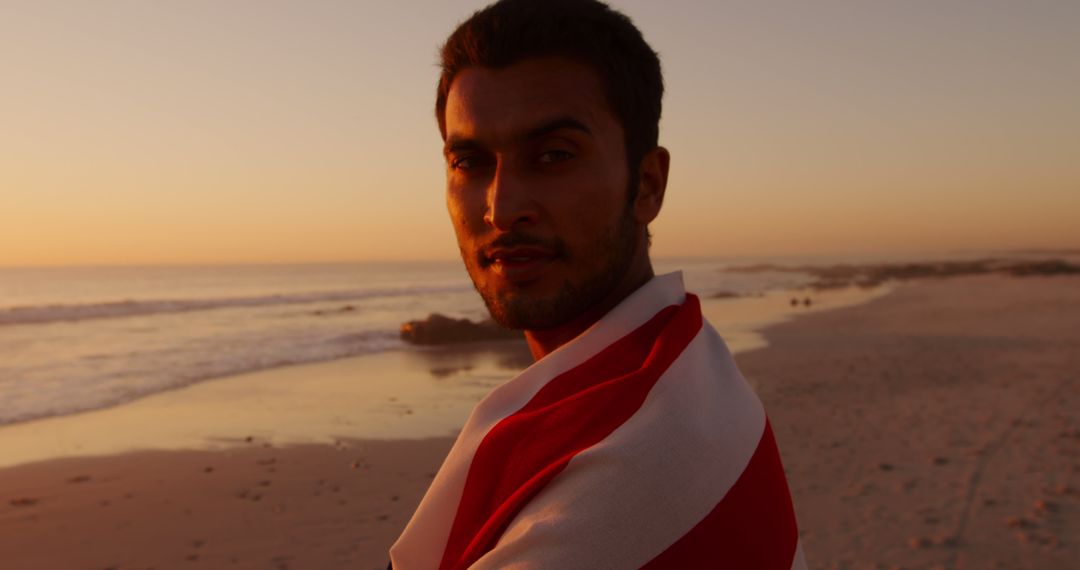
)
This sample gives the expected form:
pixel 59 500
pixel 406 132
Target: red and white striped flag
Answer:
pixel 636 445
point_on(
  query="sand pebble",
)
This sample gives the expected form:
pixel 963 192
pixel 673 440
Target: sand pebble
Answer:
pixel 1018 522
pixel 918 542
pixel 885 466
pixel 1023 537
pixel 79 479
pixel 938 460
pixel 947 541
pixel 208 469
pixel 24 502
pixel 1044 506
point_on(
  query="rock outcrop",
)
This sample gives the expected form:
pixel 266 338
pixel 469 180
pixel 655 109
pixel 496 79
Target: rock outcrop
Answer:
pixel 440 329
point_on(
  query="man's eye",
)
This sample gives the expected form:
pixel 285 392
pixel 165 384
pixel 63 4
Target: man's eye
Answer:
pixel 553 156
pixel 465 162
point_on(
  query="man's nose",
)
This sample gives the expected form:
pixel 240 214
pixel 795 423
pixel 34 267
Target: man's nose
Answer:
pixel 510 204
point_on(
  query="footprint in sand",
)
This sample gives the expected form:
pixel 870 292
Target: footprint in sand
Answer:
pixel 248 495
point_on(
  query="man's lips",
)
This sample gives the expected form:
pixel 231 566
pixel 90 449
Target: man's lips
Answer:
pixel 519 264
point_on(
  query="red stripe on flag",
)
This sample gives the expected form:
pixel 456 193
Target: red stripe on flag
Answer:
pixel 571 413
pixel 753 526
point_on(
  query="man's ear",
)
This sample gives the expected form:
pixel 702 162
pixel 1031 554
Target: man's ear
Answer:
pixel 652 181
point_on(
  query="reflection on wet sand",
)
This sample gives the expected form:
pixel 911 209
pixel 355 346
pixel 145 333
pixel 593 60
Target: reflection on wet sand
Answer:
pixel 446 361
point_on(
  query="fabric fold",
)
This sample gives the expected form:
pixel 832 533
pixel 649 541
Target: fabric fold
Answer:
pixel 638 444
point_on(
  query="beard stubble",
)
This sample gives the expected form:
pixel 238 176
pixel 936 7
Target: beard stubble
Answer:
pixel 519 310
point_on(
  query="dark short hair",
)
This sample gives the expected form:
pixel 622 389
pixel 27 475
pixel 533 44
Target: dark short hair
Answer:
pixel 587 31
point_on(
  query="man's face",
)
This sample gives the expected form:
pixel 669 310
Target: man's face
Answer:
pixel 537 186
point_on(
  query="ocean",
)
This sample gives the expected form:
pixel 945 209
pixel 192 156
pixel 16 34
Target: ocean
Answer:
pixel 84 338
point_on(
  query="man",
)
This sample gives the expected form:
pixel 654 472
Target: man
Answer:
pixel 632 441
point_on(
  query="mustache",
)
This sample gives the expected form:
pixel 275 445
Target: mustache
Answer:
pixel 516 239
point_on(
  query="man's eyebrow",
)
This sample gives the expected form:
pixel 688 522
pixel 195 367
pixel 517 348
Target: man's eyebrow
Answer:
pixel 455 143
pixel 558 124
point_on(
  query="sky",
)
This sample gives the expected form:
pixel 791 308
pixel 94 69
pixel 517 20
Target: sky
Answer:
pixel 202 131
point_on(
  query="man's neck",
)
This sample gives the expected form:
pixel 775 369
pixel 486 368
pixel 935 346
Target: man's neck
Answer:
pixel 544 342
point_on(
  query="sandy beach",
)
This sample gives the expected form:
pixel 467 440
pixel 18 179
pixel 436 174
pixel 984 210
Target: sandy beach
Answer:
pixel 936 426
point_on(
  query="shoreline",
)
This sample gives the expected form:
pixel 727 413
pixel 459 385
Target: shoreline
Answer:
pixel 418 392
pixel 403 395
pixel 936 426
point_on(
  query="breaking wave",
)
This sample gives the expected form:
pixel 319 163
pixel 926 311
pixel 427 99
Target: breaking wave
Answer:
pixel 130 308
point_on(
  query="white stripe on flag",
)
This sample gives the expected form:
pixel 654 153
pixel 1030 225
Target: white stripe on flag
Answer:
pixel 623 501
pixel 421 544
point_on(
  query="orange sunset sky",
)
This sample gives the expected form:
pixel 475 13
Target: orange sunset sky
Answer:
pixel 204 131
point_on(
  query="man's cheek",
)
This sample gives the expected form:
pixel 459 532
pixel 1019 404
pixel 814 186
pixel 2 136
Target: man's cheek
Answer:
pixel 466 214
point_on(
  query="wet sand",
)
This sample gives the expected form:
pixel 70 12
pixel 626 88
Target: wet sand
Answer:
pixel 937 426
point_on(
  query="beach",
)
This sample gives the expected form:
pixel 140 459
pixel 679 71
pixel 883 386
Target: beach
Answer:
pixel 933 426
pixel 937 427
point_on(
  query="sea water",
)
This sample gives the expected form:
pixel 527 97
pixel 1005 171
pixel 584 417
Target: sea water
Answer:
pixel 83 338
